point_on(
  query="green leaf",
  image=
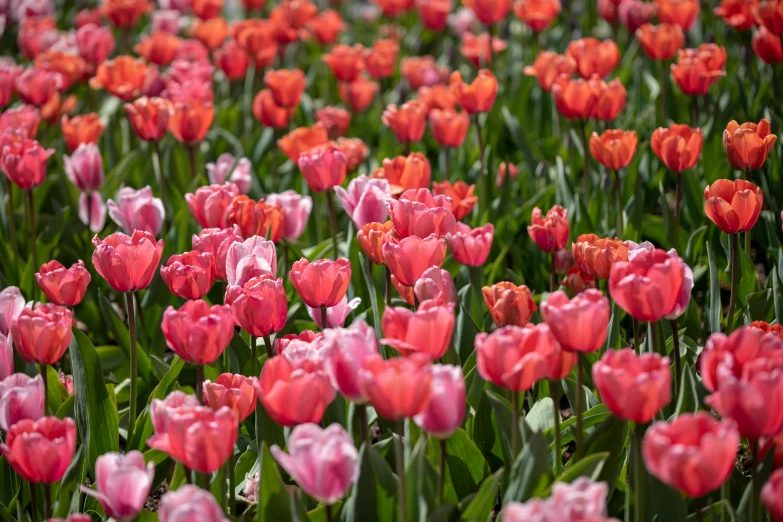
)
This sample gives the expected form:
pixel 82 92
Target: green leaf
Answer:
pixel 465 466
pixel 143 428
pixel 608 437
pixel 274 504
pixel 542 415
pixel 57 394
pixel 96 411
pixel 531 468
pixel 688 400
pixel 481 504
pixel 421 482
pixel 613 338
pixel 591 466
pixel 370 282
pixel 776 295
pixel 715 314
pixel 374 494
pixel 667 502
pixel 120 332
pixel 748 276
pixel 504 420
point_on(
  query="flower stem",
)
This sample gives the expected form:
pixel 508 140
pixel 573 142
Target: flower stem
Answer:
pixel 656 339
pixel 33 239
pixel 158 172
pixel 11 217
pixel 332 223
pixel 585 171
pixel 514 424
pixel 33 501
pixel 442 469
pixel 388 286
pixel 361 411
pixel 677 212
pixel 638 470
pixel 552 274
pixel 192 153
pixel 269 348
pixel 554 387
pixel 676 351
pixel 134 364
pixel 324 324
pixel 232 496
pixel 254 356
pixel 618 189
pixel 637 344
pixel 483 195
pixel 42 371
pixel 580 399
pixel 328 513
pixel 399 457
pixel 47 491
pixel 734 276
pixel 200 383
pixel 259 449
pixel 754 477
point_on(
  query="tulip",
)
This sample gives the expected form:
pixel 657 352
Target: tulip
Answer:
pixel 84 167
pixel 693 454
pixel 190 120
pixel 94 42
pixel 233 391
pixel 427 330
pixel 211 33
pixel 575 99
pixel 737 14
pixel 697 70
pixel 420 71
pixel 733 205
pixel 221 172
pixel 149 117
pixel 6 356
pixel 28 441
pixel 407 122
pixel 358 94
pixel 307 336
pixel 436 284
pixel 679 12
pixel 478 96
pixel 461 195
pixel 449 128
pixel 371 238
pixel 21 397
pixel 471 247
pixel 408 258
pixel 550 233
pixel 199 438
pixel 232 59
pixel 548 66
pixel 286 86
pixel 509 304
pixel 345 61
pixel 217 241
pixel 538 15
pixel 43 333
pixel 63 286
pixel 126 13
pixel 419 213
pixel 189 502
pixel 296 210
pixel 197 332
pixel 37 86
pixel 268 113
pixel 489 11
pixel 122 77
pixel 290 396
pixel 24 163
pixel 446 409
pixel 81 129
pixel 660 42
pixel 582 500
pixel 503 169
pixel 137 210
pixel 322 461
pixel 335 316
pixel 322 283
pixel 335 119
pixel 327 26
pixel 158 48
pixel 259 306
pixel 593 56
pixel 255 218
pixel 678 146
pixel 748 145
pixel 365 200
pixel 123 483
pixel 596 256
pixel 614 149
pixel 25 118
pixel 323 167
pixel 767 46
pixel 208 205
pixel 479 49
pixel 206 9
pixel 252 258
pixel 304 139
pixel 405 172
pixel 11 305
pixel 381 59
pixel 355 151
pixel 774 329
pixel 399 387
pixel 189 275
pixel 579 324
pixel 344 351
pixel 772 495
pixel 436 96
pixel 127 263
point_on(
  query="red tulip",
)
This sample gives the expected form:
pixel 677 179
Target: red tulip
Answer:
pixel 208 205
pixel 286 86
pixel 381 59
pixel 448 127
pixel 537 14
pixel 293 396
pixel 217 242
pixel 197 332
pixel 41 450
pixel 158 47
pixel 550 233
pixel 549 66
pixel 24 163
pixel 303 139
pixel 322 282
pixel 345 61
pixel 399 387
pixel 358 94
pixel 613 148
pixel 335 119
pixel 678 146
pixel 678 12
pixel 24 118
pixel 323 167
pixel 480 49
pixel 470 247
pixel 461 195
pixel 63 286
pixel 772 495
pixel 427 330
pixel 408 258
pixel 419 213
pixel 733 205
pixel 190 120
pixel 189 275
pixel 662 41
pixel 94 42
pixel 127 263
pixel 767 46
pixel 233 391
pixel 509 304
pixel 327 26
pixel 232 59
pixel 579 324
pixel 489 11
pixel 43 333
pixel 268 113
pixel 697 70
pixel 259 306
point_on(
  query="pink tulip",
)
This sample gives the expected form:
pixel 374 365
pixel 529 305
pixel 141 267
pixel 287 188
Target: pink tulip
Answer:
pixel 63 286
pixel 410 257
pixel 197 332
pixel 123 483
pixel 6 356
pixel 251 258
pixel 579 324
pixel 165 21
pixel 76 517
pixel 322 282
pixel 582 500
pixel 260 306
pixel 322 461
pixel 323 167
pixel 162 410
pixel 92 210
pixel 94 43
pixel 220 172
pixel 137 210
pixel 217 241
pixel 427 330
pixel 11 305
pixel 343 352
pixel 446 409
pixel 307 336
pixel 335 315
pixel 684 298
pixel 127 263
pixel 84 167
pixel 42 334
pixel 772 495
pixel 418 213
pixel 471 247
pixel 41 450
pixel 435 283
pixel 233 391
pixel 188 504
pixel 24 163
pixel 365 200
pixel 25 118
pixel 189 275
pixel 208 205
pixel 296 209
pixel 21 397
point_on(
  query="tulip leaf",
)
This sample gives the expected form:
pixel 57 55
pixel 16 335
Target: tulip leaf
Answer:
pixel 748 276
pixel 531 469
pixel 609 437
pixel 716 312
pixel 688 400
pixel 590 418
pixel 465 466
pixel 96 411
pixel 480 505
pixel 143 428
pixel 591 466
pixel 274 504
pixel 371 290
pixel 504 421
pixel 421 482
pixel 120 331
pixel 57 393
pixel 668 503
pixel 374 494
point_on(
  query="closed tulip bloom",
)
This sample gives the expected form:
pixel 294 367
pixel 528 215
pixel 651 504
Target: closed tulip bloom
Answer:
pixel 286 86
pixel 633 387
pixel 220 172
pixel 679 12
pixel 461 195
pixel 693 454
pixel 6 356
pixel 371 238
pixel 250 258
pixel 189 275
pixel 448 127
pixel 24 163
pixel 84 167
pixel 149 117
pixel 399 387
pixel 327 26
pixel 206 9
pixel 661 42
pixel 122 77
pixel 381 59
pixel 480 49
pixel 322 461
pixel 446 409
pixel 303 139
pixel 255 218
pixel 433 13
pixel 335 315
pixel 772 495
pixel 471 247
pixel 127 263
pixel 596 256
pixel 345 61
pixel 232 59
pixel 259 306
pixel 748 145
pixel 406 122
pixel 190 503
pixel 437 96
pixel 593 56
pixel 291 395
pixel 158 48
pixel 733 205
pixel 190 120
pixel 576 99
pixel 365 200
pixel 726 357
pixel 335 119
pixel 198 437
pixel 197 332
pixel 419 213
pixel 537 14
pixel 548 66
pixel 63 286
pixel 25 118
pixel 208 205
pixel 212 33
pixel 37 86
pixel 323 167
pixel 436 284
pixel 478 96
pixel 137 210
pixel 268 113
pixel 43 333
pixel 769 15
pixel 344 351
pixel 21 397
pixel 322 282
pixel 610 99
pixel 579 324
pixel 11 305
pixel 614 149
pixel 81 129
pixel 124 13
pixel 635 13
pixel 27 442
pixel 489 11
pixel 509 304
pixel 767 46
pixel 697 70
pixel 233 391
pixel 405 172
pixel 408 258
pixel 296 210
pixel 420 71
pixel 550 232
pixel 358 94
pixel 738 14
pixel 123 483
pixel 427 330
pixel 174 402
pixel 217 242
pixel 95 43
pixel 678 146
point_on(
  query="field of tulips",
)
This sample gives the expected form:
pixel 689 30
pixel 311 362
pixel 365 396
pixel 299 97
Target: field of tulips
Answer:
pixel 398 261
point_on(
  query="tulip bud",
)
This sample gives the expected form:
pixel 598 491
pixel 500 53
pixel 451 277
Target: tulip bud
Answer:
pixel 63 286
pixel 21 397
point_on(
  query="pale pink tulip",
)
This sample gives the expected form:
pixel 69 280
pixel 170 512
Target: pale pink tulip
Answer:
pixel 251 258
pixel 296 209
pixel 435 283
pixel 365 200
pixel 221 171
pixel 6 356
pixel 92 210
pixel 137 210
pixel 446 409
pixel 84 167
pixel 190 504
pixel 418 213
pixel 343 352
pixel 335 315
pixel 11 305
pixel 21 397
pixel 123 483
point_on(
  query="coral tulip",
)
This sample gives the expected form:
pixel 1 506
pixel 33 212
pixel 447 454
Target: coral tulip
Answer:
pixel 208 205
pixel 137 210
pixel 660 42
pixel 63 286
pixel 327 26
pixel 268 113
pixel 21 397
pixel 233 391
pixel 189 275
pixel 127 263
pixel 81 129
pixel 197 332
pixel 509 304
pixel 40 450
pixel 593 56
pixel 259 306
pixel 335 119
pixel 419 213
pixel 365 200
pixel 232 59
pixel 748 145
pixel 471 247
pixel 550 232
pixel 408 258
pixel 678 146
pixel 548 66
pixel 381 59
pixel 24 163
pixel 303 139
pixel 158 48
pixel 596 256
pixel 217 242
pixel 479 49
pixel 733 205
pixel 123 483
pixel 478 96
pixel 427 330
pixel 323 167
pixel 448 127
pixel 407 122
pixel 575 99
pixel 537 14
pixel 212 33
pixel 772 495
pixel 371 238
pixel 296 210
pixel 122 77
pixel 358 94
pixel 461 195
pixel 345 61
pixel 255 218
pixel 406 172
pixel 43 333
pixel 190 120
pixel 399 387
pixel 697 70
pixel 322 282
pixel 678 12
pixel 37 86
pixel 149 117
pixel 286 86
pixel 614 149
pixel 579 324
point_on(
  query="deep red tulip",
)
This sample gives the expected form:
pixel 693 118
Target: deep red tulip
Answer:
pixel 678 146
pixel 399 387
pixel 208 205
pixel 127 263
pixel 550 232
pixel 433 13
pixel 233 391
pixel 63 286
pixel 41 450
pixel 43 333
pixel 767 46
pixel 322 282
pixel 427 330
pixel 635 13
pixel 733 205
pixel 259 306
pixel 509 304
pixel 748 145
pixel 232 59
pixel 408 258
pixel 579 324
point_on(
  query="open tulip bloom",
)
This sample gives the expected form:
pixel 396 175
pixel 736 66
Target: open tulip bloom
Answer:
pixel 392 261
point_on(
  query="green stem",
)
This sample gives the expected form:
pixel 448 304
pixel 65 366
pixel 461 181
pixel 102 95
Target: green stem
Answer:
pixel 42 371
pixel 677 212
pixel 636 336
pixel 515 424
pixel 639 490
pixel 483 187
pixel 445 175
pixel 328 513
pixel 585 162
pixel 200 383
pixel 158 172
pixel 47 491
pixel 33 501
pixel 324 324
pixel 33 239
pixel 399 457
pixel 552 274
pixel 656 339
pixel 134 364
pixel 725 496
pixel 754 477
pixel 192 153
pixel 618 189
pixel 259 449
pixel 254 356
pixel 676 352
pixel 388 286
pixel 361 412
pixel 332 224
pixel 580 399
pixel 554 387
pixel 269 347
pixel 11 217
pixel 442 487
pixel 734 276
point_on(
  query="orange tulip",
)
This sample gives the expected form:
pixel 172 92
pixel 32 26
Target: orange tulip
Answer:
pixel 381 59
pixel 433 13
pixel 294 13
pixel 122 77
pixel 614 148
pixel 448 127
pixel 70 66
pixel 345 61
pixel 358 94
pixel 660 42
pixel 461 195
pixel 406 122
pixel 257 37
pixel 327 26
pixel 436 97
pixel 190 120
pixel 232 60
pixel 738 14
pixel 268 113
pixel 611 98
pixel 477 49
pixel 286 86
pixel 748 145
pixel 489 11
pixel 56 107
pixel 158 48
pixel 697 70
pixel 733 205
pixel 594 56
pixel 509 304
pixel 81 129
pixel 678 12
pixel 678 147
pixel 419 71
pixel 124 13
pixel 596 256
pixel 354 149
pixel 549 66
pixel 405 172
pixel 302 139
pixel 767 46
pixel 769 14
pixel 478 96
pixel 212 33
pixel 537 14
pixel 149 117
pixel 255 218
pixel 371 238
pixel 575 99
